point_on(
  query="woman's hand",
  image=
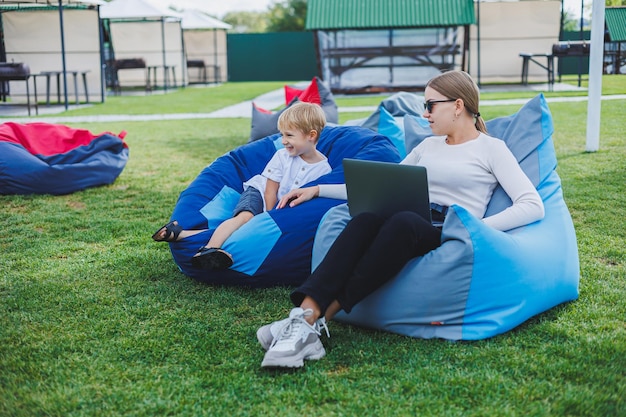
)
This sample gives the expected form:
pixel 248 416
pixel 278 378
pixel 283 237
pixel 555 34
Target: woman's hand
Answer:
pixel 297 196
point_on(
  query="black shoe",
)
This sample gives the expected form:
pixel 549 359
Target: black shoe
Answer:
pixel 212 259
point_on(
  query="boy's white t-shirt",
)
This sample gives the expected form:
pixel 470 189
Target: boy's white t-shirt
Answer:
pixel 290 172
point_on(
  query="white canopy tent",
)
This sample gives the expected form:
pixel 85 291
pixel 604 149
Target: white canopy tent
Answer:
pixel 205 42
pixel 140 29
pixel 62 36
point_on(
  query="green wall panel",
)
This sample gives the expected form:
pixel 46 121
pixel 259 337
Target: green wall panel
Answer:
pixel 277 56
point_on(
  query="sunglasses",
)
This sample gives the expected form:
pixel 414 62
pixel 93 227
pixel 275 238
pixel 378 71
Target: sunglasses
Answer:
pixel 428 105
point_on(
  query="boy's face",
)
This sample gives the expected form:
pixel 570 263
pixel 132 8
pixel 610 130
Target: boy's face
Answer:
pixel 297 142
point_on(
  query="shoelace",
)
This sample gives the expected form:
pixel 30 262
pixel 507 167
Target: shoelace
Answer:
pixel 291 329
pixel 321 322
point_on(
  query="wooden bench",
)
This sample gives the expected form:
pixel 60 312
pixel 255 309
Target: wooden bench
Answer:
pixel 57 74
pixel 128 64
pixel 548 66
pixel 198 63
pixel 152 70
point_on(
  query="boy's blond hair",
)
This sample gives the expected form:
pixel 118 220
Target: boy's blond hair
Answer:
pixel 304 117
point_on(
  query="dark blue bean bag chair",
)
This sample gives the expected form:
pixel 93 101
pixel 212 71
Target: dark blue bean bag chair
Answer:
pixel 42 158
pixel 274 248
pixel 480 282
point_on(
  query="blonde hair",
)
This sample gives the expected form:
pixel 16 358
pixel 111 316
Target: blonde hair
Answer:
pixel 304 117
pixel 459 84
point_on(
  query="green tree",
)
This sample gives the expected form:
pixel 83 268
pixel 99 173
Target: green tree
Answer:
pixel 613 3
pixel 570 23
pixel 246 22
pixel 287 16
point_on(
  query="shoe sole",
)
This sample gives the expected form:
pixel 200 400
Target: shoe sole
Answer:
pixel 265 344
pixel 217 260
pixel 311 352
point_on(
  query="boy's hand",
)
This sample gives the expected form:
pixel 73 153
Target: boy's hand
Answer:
pixel 297 196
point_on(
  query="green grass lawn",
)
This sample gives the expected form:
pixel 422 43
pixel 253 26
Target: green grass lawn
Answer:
pixel 183 100
pixel 96 319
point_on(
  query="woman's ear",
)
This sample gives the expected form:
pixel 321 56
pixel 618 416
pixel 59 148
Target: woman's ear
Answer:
pixel 460 104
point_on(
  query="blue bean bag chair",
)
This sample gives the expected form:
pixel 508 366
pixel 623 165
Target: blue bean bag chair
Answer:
pixel 274 248
pixel 42 158
pixel 481 282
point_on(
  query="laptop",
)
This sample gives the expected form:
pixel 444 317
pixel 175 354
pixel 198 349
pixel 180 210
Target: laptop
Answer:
pixel 386 188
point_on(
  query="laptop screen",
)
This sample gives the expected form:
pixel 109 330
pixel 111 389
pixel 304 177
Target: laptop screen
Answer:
pixel 386 188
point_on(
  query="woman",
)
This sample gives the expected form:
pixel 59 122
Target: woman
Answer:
pixel 464 166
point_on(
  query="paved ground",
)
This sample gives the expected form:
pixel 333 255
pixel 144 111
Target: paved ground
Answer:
pixel 244 110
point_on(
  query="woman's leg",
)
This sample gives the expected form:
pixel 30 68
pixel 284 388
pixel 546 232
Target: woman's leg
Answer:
pixel 328 279
pixel 404 236
pixel 369 252
pixel 332 309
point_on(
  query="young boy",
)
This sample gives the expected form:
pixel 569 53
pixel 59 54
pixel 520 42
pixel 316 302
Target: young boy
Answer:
pixel 298 163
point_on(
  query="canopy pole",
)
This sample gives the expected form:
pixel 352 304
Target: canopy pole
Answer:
pixel 184 75
pixel 165 75
pixel 215 57
pixel 594 101
pixel 478 44
pixel 103 80
pixel 63 53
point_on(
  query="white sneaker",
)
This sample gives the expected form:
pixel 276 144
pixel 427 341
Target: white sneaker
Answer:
pixel 295 341
pixel 266 334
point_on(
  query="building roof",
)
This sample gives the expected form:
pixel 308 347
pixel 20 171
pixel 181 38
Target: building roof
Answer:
pixel 195 19
pixel 50 2
pixel 615 18
pixel 378 14
pixel 26 5
pixel 136 9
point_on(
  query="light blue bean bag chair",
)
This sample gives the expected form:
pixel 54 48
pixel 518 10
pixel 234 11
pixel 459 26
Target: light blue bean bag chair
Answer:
pixel 480 282
pixel 274 248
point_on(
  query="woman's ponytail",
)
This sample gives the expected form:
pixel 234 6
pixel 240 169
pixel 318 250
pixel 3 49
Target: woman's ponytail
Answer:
pixel 480 123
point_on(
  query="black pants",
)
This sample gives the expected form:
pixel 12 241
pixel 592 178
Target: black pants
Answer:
pixel 369 252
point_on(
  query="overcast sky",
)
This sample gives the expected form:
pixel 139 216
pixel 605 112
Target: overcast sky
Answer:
pixel 219 8
pixel 574 6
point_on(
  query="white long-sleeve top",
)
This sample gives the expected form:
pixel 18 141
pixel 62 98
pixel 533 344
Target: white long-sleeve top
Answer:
pixel 467 174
